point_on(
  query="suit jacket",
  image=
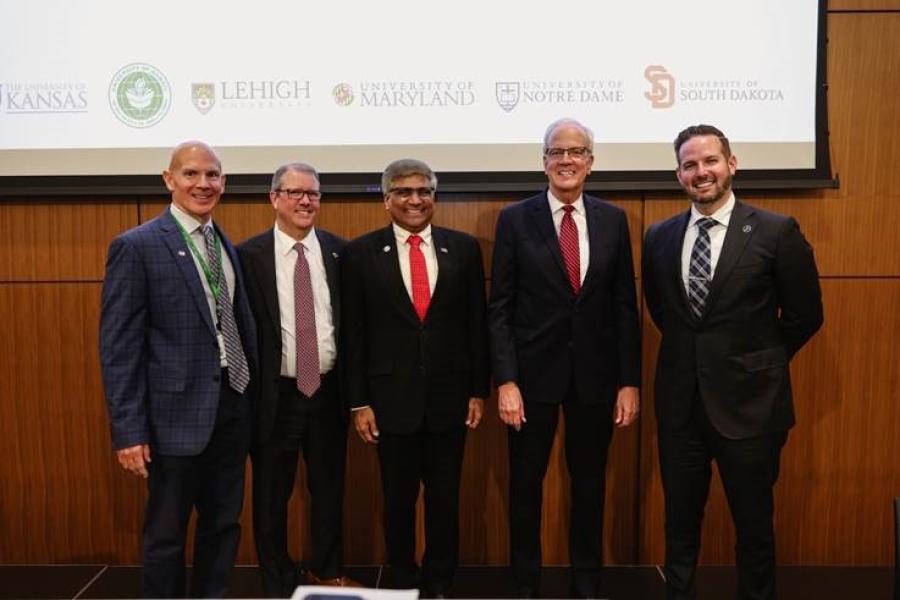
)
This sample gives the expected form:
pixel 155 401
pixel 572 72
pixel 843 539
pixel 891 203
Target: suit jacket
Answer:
pixel 542 335
pixel 258 262
pixel 413 373
pixel 764 304
pixel 158 348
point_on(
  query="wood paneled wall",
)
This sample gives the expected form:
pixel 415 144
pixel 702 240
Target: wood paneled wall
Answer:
pixel 63 499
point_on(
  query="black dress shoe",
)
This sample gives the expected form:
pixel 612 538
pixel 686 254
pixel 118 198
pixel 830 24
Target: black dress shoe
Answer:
pixel 526 592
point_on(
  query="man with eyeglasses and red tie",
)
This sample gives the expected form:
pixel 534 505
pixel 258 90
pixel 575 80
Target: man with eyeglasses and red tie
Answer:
pixel 414 330
pixel 293 285
pixel 564 332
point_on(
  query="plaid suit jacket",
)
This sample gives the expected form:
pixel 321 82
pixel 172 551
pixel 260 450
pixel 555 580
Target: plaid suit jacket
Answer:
pixel 158 349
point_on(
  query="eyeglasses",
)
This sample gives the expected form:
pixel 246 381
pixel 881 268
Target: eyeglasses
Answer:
pixel 297 195
pixel 405 193
pixel 575 153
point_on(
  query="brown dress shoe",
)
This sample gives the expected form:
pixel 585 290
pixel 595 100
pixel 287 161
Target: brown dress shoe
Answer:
pixel 342 581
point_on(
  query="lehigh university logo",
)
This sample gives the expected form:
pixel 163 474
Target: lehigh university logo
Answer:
pixel 203 95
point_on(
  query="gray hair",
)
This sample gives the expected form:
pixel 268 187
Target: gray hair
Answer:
pixel 585 130
pixel 406 167
pixel 298 167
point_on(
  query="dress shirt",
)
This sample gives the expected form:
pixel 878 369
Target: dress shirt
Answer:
pixel 428 252
pixel 285 262
pixel 580 217
pixel 716 238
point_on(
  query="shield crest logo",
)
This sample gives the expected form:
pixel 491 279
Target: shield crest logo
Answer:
pixel 507 93
pixel 203 95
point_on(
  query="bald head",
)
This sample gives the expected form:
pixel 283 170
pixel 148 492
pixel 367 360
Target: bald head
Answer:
pixel 195 179
pixel 189 148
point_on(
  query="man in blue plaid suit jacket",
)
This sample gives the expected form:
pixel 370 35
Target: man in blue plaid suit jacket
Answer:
pixel 176 368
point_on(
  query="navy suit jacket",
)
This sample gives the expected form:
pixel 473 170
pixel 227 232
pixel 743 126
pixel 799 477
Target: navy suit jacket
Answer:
pixel 413 373
pixel 764 304
pixel 158 348
pixel 258 262
pixel 543 336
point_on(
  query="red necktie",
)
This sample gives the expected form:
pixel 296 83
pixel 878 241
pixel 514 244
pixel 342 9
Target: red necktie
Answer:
pixel 306 342
pixel 421 292
pixel 568 245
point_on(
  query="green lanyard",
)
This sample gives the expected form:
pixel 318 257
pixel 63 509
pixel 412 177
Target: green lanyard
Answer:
pixel 213 282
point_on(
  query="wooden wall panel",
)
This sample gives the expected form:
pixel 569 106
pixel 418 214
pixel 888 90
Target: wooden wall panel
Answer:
pixel 863 5
pixel 59 240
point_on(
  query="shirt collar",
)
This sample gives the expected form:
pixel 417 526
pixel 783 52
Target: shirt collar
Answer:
pixel 402 235
pixel 556 205
pixel 189 223
pixel 284 243
pixel 721 216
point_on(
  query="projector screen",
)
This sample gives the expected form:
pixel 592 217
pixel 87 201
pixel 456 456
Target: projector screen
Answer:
pixel 101 91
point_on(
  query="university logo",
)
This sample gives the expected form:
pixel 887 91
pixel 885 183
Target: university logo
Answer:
pixel 203 96
pixel 343 94
pixel 139 95
pixel 662 87
pixel 507 93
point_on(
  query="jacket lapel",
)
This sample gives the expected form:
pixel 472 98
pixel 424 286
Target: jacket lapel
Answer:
pixel 595 242
pixel 740 230
pixel 445 261
pixel 264 258
pixel 183 257
pixel 386 258
pixel 675 277
pixel 543 221
pixel 330 258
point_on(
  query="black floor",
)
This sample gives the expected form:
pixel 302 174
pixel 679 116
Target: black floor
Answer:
pixel 819 583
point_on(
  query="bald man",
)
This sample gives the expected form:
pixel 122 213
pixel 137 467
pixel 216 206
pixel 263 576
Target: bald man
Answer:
pixel 177 351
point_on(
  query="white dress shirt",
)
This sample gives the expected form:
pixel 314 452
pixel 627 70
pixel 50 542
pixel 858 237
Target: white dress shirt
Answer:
pixel 285 262
pixel 716 238
pixel 580 217
pixel 428 251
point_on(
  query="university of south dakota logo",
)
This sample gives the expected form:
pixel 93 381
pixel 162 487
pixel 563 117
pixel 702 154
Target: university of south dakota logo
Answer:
pixel 662 87
pixel 343 94
pixel 203 96
pixel 139 95
pixel 507 93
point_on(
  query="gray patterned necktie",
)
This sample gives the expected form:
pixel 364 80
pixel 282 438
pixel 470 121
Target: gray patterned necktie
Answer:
pixel 238 372
pixel 700 272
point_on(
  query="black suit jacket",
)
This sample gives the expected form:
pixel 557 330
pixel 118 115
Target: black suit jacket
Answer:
pixel 542 335
pixel 258 261
pixel 764 304
pixel 413 373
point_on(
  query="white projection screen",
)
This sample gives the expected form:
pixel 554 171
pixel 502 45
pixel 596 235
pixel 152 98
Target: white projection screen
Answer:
pixel 94 94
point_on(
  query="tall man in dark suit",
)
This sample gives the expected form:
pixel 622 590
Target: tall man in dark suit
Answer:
pixel 564 330
pixel 293 284
pixel 416 342
pixel 735 293
pixel 177 350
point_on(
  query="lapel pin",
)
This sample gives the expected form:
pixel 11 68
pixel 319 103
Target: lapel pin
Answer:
pixel 444 250
pixel 181 253
pixel 746 229
pixel 386 249
pixel 334 254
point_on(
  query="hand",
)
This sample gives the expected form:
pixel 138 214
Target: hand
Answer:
pixel 476 409
pixel 510 405
pixel 134 459
pixel 628 406
pixel 364 421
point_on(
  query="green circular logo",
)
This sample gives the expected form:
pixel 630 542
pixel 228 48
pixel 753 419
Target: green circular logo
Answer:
pixel 139 95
